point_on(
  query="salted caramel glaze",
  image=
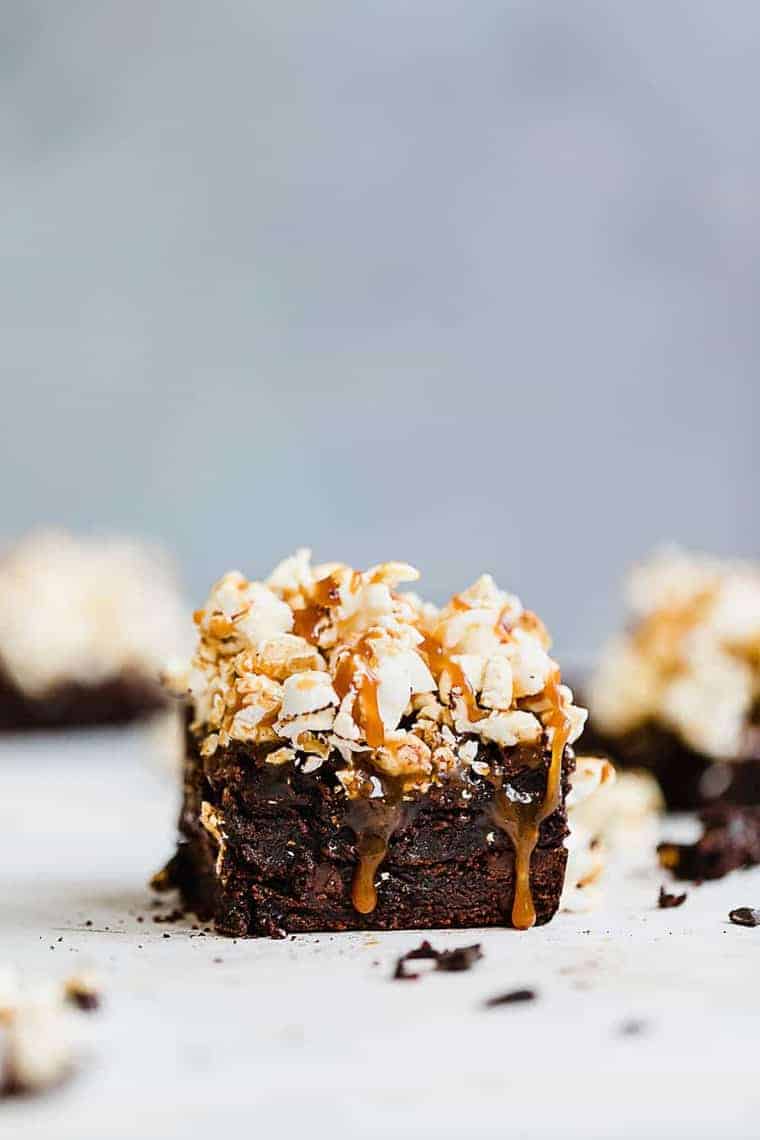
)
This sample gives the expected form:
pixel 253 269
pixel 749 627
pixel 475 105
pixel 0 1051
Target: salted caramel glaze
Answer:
pixel 329 664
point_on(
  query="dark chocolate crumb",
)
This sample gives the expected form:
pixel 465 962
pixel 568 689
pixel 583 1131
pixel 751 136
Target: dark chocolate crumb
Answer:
pixel 512 997
pixel 666 900
pixel 461 958
pixel 632 1027
pixel 175 915
pixel 86 1000
pixel 89 922
pixel 423 951
pixel 140 918
pixel 745 916
pixel 166 934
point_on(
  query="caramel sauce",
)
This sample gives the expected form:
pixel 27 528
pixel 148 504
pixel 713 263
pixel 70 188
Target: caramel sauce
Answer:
pixel 371 850
pixel 522 821
pixel 324 596
pixel 367 714
pixel 373 822
pixel 439 662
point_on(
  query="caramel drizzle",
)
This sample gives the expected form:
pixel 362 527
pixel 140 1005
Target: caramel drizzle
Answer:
pixel 439 662
pixel 324 597
pixel 522 821
pixel 371 851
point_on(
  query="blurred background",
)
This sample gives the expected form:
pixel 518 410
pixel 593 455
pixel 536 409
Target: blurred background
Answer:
pixel 469 285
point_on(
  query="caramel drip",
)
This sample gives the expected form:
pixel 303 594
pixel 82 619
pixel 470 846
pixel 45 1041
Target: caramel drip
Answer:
pixel 522 821
pixel 373 822
pixel 367 714
pixel 439 662
pixel 371 850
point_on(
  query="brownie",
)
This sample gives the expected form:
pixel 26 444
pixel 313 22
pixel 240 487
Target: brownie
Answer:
pixel 675 691
pixel 358 759
pixel 117 700
pixel 689 779
pixel 730 841
pixel 292 847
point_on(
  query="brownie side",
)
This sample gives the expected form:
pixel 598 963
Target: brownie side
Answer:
pixel 730 841
pixel 73 705
pixel 689 780
pixel 290 848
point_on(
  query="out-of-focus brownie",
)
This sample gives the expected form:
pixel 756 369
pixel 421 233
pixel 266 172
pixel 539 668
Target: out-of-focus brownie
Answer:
pixel 730 841
pixel 677 693
pixel 86 626
pixel 357 759
pixel 115 701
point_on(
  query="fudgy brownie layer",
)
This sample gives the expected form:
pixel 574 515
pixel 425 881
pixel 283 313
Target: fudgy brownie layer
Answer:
pixel 688 779
pixel 290 851
pixel 116 701
pixel 730 840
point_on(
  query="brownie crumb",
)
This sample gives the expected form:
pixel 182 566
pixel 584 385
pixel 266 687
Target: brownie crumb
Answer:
pixel 745 916
pixel 511 997
pixel 633 1027
pixel 166 934
pixel 88 922
pixel 665 899
pixel 175 915
pixel 451 961
pixel 463 958
pixel 730 840
pixel 83 992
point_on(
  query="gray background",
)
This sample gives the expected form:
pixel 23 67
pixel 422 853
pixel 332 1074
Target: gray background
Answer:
pixel 473 285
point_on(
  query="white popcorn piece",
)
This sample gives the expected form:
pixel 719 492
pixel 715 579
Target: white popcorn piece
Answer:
pixel 307 692
pixel 497 684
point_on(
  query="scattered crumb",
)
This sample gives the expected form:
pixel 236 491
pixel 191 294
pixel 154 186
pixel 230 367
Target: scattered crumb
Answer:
pixel 632 1027
pixel 462 958
pixel 745 916
pixel 218 961
pixel 166 934
pixel 665 899
pixel 83 991
pixel 512 997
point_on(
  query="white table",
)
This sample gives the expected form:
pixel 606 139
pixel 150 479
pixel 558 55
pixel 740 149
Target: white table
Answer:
pixel 310 1037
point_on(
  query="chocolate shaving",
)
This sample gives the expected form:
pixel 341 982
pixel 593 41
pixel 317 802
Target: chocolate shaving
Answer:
pixel 512 997
pixel 462 958
pixel 745 916
pixel 666 900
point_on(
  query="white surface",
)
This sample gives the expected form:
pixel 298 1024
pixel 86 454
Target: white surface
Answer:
pixel 310 1037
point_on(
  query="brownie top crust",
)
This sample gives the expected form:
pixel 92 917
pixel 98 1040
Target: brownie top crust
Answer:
pixel 690 659
pixel 85 611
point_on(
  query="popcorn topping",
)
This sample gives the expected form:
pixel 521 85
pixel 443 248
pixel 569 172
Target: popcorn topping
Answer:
pixel 85 610
pixel 692 660
pixel 326 660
